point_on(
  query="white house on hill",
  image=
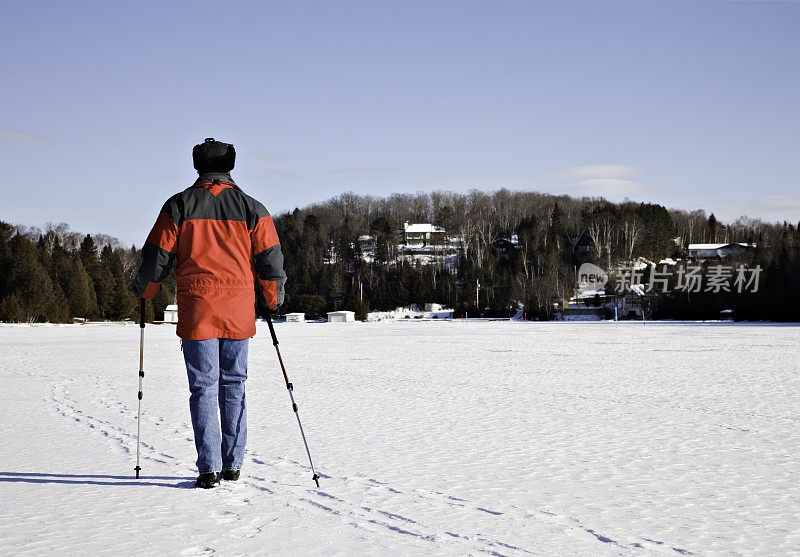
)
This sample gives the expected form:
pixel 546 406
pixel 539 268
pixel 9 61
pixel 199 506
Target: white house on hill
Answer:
pixel 706 251
pixel 420 235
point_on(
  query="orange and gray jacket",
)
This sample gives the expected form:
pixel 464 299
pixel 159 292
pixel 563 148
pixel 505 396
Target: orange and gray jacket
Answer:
pixel 224 241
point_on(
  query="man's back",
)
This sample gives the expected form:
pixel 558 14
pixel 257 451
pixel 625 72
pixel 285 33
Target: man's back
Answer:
pixel 221 238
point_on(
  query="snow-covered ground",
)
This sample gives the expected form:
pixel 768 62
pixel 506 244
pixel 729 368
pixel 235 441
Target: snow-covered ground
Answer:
pixel 432 438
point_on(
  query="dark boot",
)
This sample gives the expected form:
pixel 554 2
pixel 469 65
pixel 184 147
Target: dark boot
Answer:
pixel 230 475
pixel 207 480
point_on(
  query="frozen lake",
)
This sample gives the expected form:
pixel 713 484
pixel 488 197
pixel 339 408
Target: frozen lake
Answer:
pixel 432 438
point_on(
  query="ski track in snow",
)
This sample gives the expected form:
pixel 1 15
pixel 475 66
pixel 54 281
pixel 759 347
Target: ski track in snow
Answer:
pixel 603 442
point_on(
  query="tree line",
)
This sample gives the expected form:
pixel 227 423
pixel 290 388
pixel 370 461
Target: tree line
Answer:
pixel 56 274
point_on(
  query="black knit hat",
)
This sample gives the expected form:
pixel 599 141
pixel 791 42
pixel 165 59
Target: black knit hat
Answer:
pixel 213 156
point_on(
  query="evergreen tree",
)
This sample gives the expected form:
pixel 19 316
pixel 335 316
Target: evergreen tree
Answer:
pixel 104 288
pixel 712 228
pixel 659 232
pixel 80 290
pixel 124 305
pixel 104 283
pixel 556 221
pixel 88 253
pixel 6 233
pixel 29 280
pixel 57 310
pixel 11 309
pixel 44 249
pixel 118 302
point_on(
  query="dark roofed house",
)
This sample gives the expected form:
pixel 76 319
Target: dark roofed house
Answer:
pixel 506 246
pixel 582 243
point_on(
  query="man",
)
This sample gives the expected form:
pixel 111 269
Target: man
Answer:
pixel 224 241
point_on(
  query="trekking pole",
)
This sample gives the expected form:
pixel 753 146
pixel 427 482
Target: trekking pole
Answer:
pixel 141 377
pixel 290 387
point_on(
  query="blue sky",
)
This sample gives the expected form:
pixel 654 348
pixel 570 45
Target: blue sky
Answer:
pixel 691 105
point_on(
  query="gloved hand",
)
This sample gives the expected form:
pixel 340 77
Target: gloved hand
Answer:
pixel 263 310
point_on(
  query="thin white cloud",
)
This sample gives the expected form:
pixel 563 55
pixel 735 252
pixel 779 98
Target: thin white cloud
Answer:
pixel 774 208
pixel 612 181
pixel 610 188
pixel 14 136
pixel 779 203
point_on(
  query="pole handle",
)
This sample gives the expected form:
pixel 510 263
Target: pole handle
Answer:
pixel 141 313
pixel 272 330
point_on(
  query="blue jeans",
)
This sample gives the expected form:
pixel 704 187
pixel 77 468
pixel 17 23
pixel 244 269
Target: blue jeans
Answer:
pixel 217 370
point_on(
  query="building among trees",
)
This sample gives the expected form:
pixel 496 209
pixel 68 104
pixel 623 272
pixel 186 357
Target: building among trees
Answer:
pixel 421 235
pixel 721 251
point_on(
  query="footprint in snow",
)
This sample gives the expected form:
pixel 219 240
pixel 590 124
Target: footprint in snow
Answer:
pixel 224 517
pixel 197 551
pixel 496 513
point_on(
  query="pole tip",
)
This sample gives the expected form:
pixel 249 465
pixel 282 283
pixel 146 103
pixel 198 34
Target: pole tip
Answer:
pixel 316 479
pixel 137 472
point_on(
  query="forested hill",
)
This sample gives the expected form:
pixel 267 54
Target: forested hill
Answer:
pixel 537 270
pixel 488 253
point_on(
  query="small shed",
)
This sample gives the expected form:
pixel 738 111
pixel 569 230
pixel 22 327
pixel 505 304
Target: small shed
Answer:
pixel 171 314
pixel 727 314
pixel 296 317
pixel 341 316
